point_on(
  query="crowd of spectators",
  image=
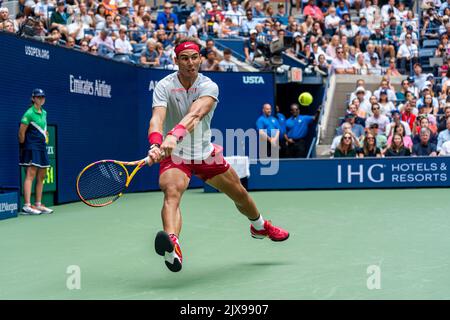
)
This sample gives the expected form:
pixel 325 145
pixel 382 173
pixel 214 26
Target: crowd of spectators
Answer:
pixel 390 122
pixel 131 29
pixel 328 36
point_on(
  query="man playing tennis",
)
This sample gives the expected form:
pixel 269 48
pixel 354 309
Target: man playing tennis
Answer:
pixel 183 106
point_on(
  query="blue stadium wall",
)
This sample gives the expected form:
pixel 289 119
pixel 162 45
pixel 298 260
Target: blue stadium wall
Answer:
pixel 100 124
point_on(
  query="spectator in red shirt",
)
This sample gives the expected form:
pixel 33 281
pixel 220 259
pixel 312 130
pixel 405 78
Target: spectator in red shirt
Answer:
pixel 216 10
pixel 407 113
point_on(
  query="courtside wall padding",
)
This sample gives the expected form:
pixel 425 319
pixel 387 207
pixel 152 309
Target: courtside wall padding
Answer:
pixel 101 107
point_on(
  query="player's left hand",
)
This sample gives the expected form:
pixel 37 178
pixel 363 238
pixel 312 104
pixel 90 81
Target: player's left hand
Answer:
pixel 168 145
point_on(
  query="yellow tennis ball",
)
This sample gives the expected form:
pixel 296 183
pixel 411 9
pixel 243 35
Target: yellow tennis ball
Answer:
pixel 305 99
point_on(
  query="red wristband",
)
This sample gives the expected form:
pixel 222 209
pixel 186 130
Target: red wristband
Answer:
pixel 179 132
pixel 155 138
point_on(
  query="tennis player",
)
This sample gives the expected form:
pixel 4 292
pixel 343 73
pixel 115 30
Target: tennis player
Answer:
pixel 33 152
pixel 183 106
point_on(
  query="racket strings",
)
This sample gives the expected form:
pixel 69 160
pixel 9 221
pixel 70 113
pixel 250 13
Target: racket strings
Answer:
pixel 102 183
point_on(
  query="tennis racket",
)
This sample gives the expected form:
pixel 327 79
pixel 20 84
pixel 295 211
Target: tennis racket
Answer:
pixel 103 182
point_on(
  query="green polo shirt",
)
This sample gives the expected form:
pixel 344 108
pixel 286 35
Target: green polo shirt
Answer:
pixel 35 136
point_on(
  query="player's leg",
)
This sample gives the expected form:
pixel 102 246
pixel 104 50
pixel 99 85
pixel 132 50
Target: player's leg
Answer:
pixel 31 172
pixel 230 184
pixel 41 174
pixel 173 183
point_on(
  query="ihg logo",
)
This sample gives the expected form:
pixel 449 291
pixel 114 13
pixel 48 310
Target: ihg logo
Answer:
pixel 360 173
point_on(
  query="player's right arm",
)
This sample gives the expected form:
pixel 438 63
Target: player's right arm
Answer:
pixel 155 130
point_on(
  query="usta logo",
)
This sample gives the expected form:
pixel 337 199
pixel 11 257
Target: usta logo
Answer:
pixel 253 79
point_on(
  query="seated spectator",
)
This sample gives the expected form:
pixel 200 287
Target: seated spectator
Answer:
pixel 353 109
pixel 163 37
pixel 7 26
pixel 145 31
pixel 235 13
pixel 166 59
pixel 70 43
pixel 150 57
pixel 100 17
pixel 332 21
pixel 84 46
pixel 445 149
pixel 396 121
pixel 401 95
pixel 122 45
pixel 374 67
pixel 423 122
pixel 443 121
pixel 360 65
pixel 340 65
pixel 361 83
pixel 413 88
pixel 357 129
pixel 369 148
pixel 419 77
pixel 397 148
pixel 444 136
pixel 198 16
pixel 392 69
pixel 250 47
pixel 345 148
pixel 281 15
pixel 163 17
pixel 386 105
pixel 210 63
pixel 249 23
pixel 103 39
pixel 401 130
pixel 408 54
pixel 258 10
pixel 408 113
pixel 349 29
pixel 125 18
pixel 226 64
pixel 427 104
pixel 342 9
pixel 60 18
pixel 171 30
pixel 362 39
pixel 188 29
pixel 359 111
pixel 377 118
pixel 345 128
pixel 228 29
pixel 385 85
pixel 322 67
pixel 424 147
pixel 311 9
pixel 297 46
pixel 93 50
pixel 140 12
pixel 55 36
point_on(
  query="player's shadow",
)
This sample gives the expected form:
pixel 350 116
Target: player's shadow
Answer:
pixel 196 278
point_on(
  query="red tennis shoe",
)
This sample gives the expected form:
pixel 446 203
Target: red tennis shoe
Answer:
pixel 272 232
pixel 167 245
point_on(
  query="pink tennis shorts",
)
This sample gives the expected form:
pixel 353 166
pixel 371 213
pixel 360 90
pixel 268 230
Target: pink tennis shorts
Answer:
pixel 214 165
